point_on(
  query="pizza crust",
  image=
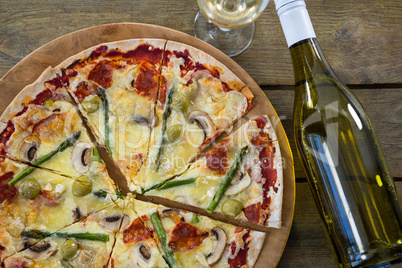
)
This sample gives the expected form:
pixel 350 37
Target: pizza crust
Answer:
pixel 27 94
pixel 275 208
pixel 2 126
pixel 275 219
pixel 123 45
pixel 247 93
pixel 255 246
pixel 200 56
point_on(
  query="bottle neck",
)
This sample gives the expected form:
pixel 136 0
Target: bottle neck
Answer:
pixel 295 20
pixel 308 59
pixel 307 56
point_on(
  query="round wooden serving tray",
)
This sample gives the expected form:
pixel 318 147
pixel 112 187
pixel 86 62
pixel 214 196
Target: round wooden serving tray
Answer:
pixel 56 51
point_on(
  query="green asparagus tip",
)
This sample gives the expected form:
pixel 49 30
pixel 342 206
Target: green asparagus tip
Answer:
pixel 35 234
pixel 119 195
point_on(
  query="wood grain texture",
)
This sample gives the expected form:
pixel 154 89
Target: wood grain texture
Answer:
pixel 361 38
pixel 307 244
pixel 384 107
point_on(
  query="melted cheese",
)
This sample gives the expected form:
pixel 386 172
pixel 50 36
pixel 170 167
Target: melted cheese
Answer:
pixel 206 95
pixel 201 193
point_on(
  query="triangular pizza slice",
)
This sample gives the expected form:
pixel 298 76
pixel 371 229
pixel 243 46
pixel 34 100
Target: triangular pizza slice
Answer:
pixel 44 200
pixel 134 245
pixel 39 118
pixel 87 243
pixel 44 129
pixel 115 86
pixel 241 177
pixel 198 99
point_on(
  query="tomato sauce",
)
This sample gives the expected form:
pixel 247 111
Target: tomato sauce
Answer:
pixel 7 192
pixel 217 159
pixel 186 237
pixel 135 232
pixel 241 258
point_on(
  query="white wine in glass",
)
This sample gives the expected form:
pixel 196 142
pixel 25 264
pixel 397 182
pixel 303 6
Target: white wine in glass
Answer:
pixel 228 24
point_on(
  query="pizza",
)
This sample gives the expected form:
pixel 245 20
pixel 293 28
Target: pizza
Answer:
pixel 254 193
pixel 87 243
pixel 190 240
pixel 157 107
pixel 198 99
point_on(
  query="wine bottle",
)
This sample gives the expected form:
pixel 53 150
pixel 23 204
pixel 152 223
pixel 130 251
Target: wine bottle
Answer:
pixel 345 168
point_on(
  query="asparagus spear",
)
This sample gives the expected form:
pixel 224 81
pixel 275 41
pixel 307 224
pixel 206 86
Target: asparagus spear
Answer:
pixel 85 236
pixel 227 179
pixel 105 103
pixel 176 183
pixel 119 195
pixel 165 116
pixel 35 234
pixel 38 234
pixel 156 222
pixel 96 155
pixel 195 219
pixel 69 142
pixel 100 194
pixel 170 184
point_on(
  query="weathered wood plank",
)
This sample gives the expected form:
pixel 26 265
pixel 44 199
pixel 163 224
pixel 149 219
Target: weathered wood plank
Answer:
pixel 383 106
pixel 361 38
pixel 307 245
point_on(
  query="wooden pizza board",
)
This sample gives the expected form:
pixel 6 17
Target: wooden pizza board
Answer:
pixel 54 52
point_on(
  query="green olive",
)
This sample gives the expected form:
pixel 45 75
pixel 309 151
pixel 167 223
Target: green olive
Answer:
pixel 69 248
pixel 91 103
pixel 180 102
pixel 232 207
pixel 29 189
pixel 82 186
pixel 174 132
pixel 48 103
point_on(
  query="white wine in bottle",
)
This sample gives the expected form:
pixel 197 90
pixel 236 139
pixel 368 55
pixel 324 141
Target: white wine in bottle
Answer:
pixel 345 167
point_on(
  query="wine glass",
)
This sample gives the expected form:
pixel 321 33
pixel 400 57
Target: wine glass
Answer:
pixel 228 24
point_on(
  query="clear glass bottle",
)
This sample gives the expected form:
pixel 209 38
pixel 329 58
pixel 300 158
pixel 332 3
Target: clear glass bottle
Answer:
pixel 345 167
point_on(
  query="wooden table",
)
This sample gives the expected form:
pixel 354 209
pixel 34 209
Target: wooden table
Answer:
pixel 361 39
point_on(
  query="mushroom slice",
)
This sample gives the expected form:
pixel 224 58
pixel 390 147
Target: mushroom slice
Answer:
pixel 81 156
pixel 40 251
pixel 114 223
pixel 203 121
pixel 138 119
pixel 219 245
pixel 77 214
pixel 141 255
pixel 202 260
pixel 239 183
pixel 149 120
pixel 129 80
pixel 28 148
pixel 172 214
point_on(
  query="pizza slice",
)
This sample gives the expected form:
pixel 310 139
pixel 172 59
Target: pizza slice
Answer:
pixel 44 129
pixel 240 177
pixel 190 240
pixel 39 118
pixel 198 99
pixel 87 243
pixel 44 200
pixel 115 86
pixel 134 245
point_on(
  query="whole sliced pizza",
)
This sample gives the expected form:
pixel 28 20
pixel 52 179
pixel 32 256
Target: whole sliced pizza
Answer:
pixel 160 109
